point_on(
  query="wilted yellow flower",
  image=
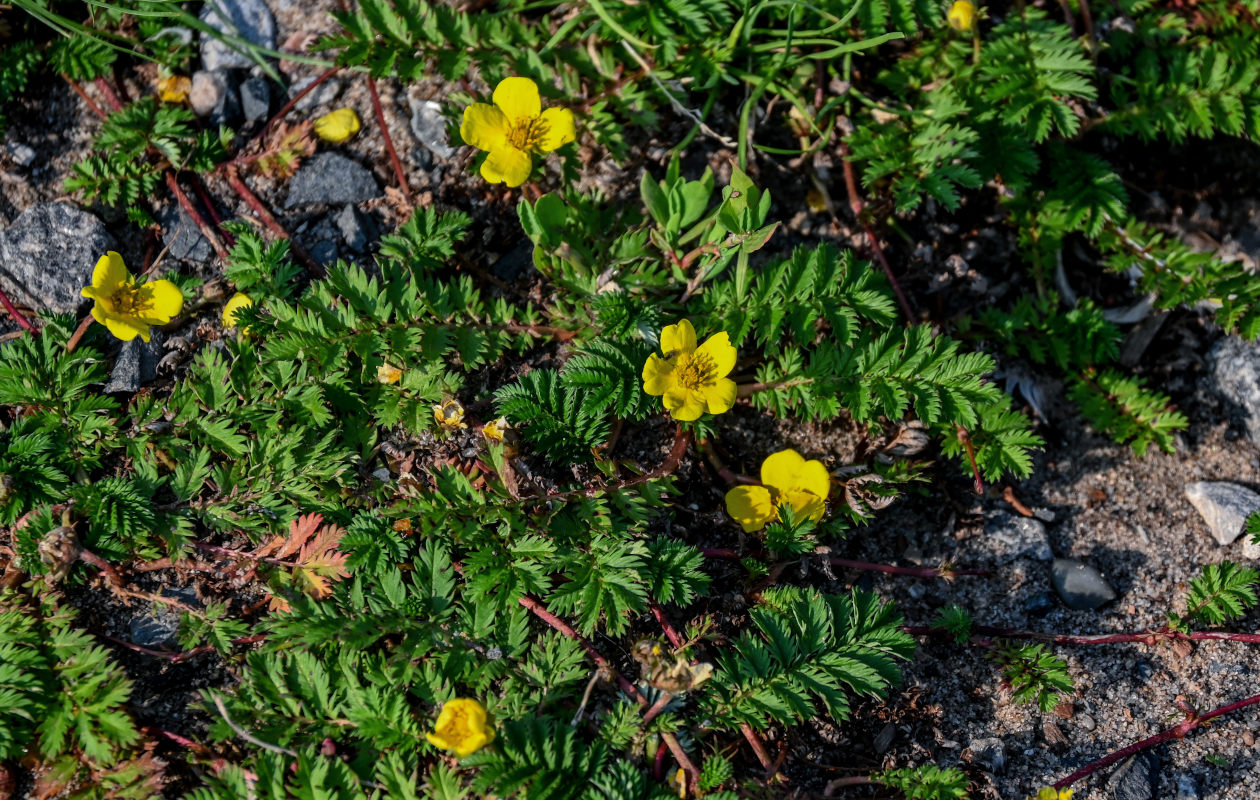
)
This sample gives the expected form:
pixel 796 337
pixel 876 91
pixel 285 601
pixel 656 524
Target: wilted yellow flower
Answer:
pixel 236 303
pixel 462 727
pixel 1050 794
pixel 388 373
pixel 788 479
pixel 126 308
pixel 174 88
pixel 691 379
pixel 514 129
pixel 962 15
pixel 449 415
pixel 679 782
pixel 337 126
pixel 495 429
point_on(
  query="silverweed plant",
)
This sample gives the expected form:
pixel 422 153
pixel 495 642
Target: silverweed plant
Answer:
pixel 455 539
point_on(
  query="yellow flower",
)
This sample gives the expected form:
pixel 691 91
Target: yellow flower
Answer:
pixel 239 300
pixel 462 726
pixel 691 379
pixel 174 88
pixel 495 429
pixel 128 309
pixel 449 415
pixel 388 373
pixel 337 126
pixel 514 129
pixel 788 480
pixel 1050 794
pixel 962 15
pixel 679 782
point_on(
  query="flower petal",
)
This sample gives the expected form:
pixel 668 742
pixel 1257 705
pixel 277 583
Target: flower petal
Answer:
pixel 484 127
pixel 805 505
pixel 683 405
pixel 125 329
pixel 518 97
pixel 507 165
pixel 110 271
pixel 558 129
pixel 814 478
pixel 337 126
pixel 718 347
pixel 438 740
pixel 239 300
pixel 750 506
pixel 720 396
pixel 679 338
pixel 166 301
pixel 781 470
pixel 658 375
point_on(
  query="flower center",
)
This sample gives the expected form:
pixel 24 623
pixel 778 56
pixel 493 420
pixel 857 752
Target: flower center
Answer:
pixel 130 300
pixel 526 133
pixel 458 724
pixel 695 370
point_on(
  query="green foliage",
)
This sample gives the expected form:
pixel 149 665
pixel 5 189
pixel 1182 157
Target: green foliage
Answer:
pixel 609 374
pixel 928 782
pixel 1223 592
pixel 956 621
pixel 810 650
pixel 1121 407
pixel 1033 674
pixel 556 418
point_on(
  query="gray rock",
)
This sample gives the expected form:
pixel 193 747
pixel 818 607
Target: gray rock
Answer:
pixel 357 229
pixel 216 96
pixel 47 255
pixel 990 754
pixel 159 627
pixel 1012 535
pixel 22 154
pixel 429 126
pixel 181 235
pixel 1137 777
pixel 1085 722
pixel 255 100
pixel 1187 787
pixel 884 739
pixel 321 95
pixel 248 19
pixel 332 179
pixel 321 240
pixel 136 364
pixel 1040 604
pixel 1236 373
pixel 1081 587
pixel 1223 506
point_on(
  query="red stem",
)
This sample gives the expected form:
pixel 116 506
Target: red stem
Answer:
pixel 1145 637
pixel 399 173
pixel 206 200
pixel 758 748
pixel 670 632
pixel 268 221
pixel 212 237
pixel 855 203
pixel 287 107
pixel 681 440
pixel 17 315
pixel 540 611
pixel 177 658
pixel 92 104
pixel 914 572
pixel 78 333
pixel 111 97
pixel 1178 731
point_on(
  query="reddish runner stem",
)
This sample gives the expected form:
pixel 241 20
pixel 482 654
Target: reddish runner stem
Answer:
pixel 1144 637
pixel 111 97
pixel 92 104
pixel 1178 731
pixel 671 633
pixel 914 572
pixel 681 440
pixel 269 221
pixel 78 333
pixel 758 747
pixel 185 203
pixel 287 107
pixel 399 172
pixel 17 315
pixel 855 203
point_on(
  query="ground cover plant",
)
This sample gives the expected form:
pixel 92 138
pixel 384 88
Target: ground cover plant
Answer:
pixel 436 528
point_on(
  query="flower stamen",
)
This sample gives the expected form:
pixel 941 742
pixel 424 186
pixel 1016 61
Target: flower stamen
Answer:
pixel 131 300
pixel 527 133
pixel 696 370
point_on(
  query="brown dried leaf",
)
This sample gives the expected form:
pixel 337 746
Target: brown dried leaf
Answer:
pixel 285 148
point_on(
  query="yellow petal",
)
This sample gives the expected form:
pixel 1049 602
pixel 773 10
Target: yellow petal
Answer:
pixel 507 165
pixel 337 126
pixel 683 405
pixel 781 469
pixel 658 375
pixel 518 97
pixel 962 15
pixel 750 506
pixel 484 127
pixel 558 129
pixel 805 505
pixel 236 303
pixel 718 347
pixel 438 740
pixel 125 330
pixel 110 271
pixel 721 396
pixel 814 478
pixel 679 338
pixel 174 88
pixel 167 302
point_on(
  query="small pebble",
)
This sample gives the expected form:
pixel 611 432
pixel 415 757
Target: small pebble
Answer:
pixel 1082 587
pixel 1086 722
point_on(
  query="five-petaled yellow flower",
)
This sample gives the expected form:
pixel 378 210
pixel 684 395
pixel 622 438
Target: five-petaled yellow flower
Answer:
pixel 691 379
pixel 236 303
pixel 462 727
pixel 962 15
pixel 388 373
pixel 495 429
pixel 449 415
pixel 337 126
pixel 174 88
pixel 514 129
pixel 788 480
pixel 127 308
pixel 1050 794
